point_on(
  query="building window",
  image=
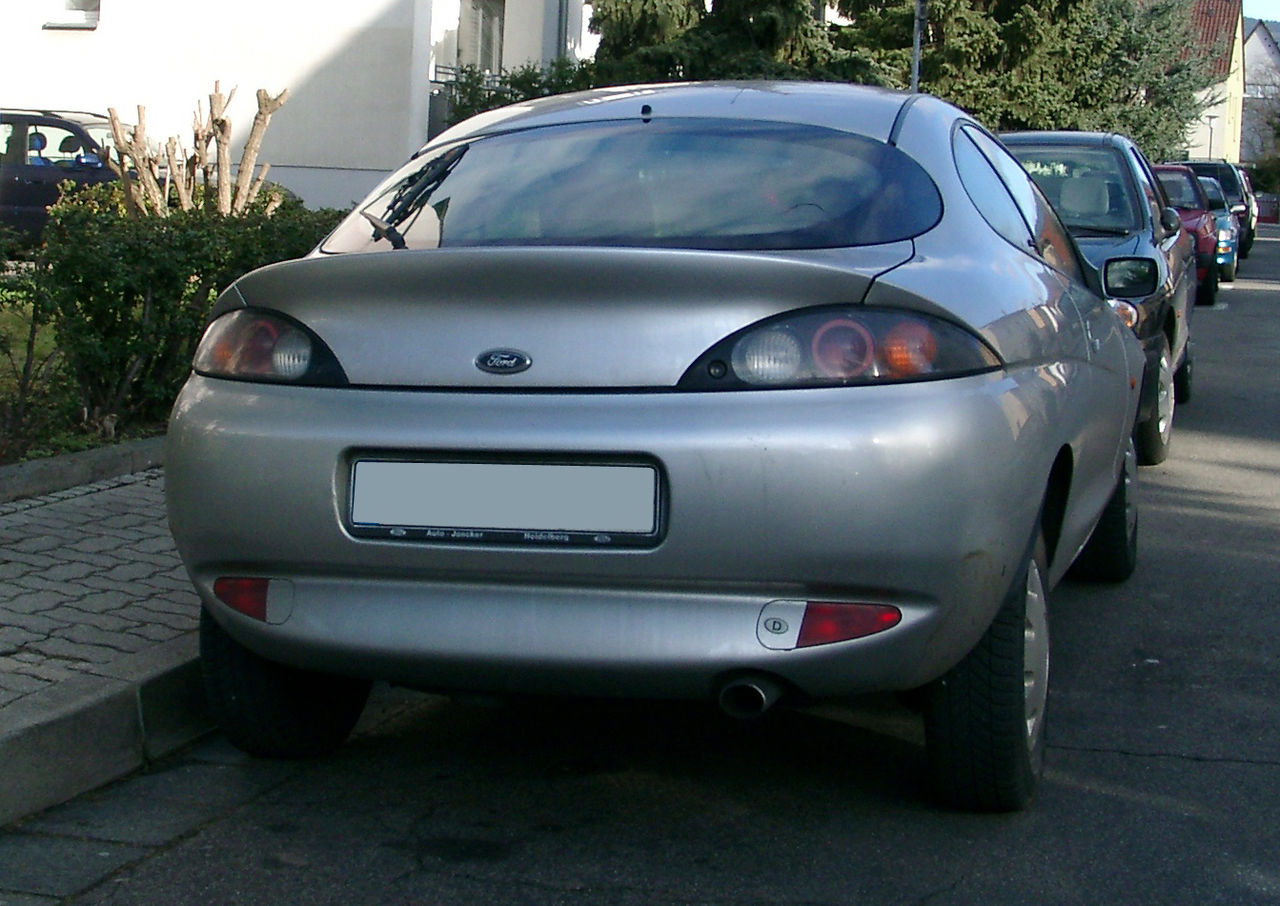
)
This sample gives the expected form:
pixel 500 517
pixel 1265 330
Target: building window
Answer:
pixel 480 34
pixel 81 15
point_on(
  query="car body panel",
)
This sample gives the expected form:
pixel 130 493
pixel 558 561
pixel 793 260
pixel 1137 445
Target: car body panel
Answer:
pixel 1185 193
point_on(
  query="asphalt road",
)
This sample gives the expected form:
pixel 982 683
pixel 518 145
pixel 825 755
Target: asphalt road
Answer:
pixel 1162 781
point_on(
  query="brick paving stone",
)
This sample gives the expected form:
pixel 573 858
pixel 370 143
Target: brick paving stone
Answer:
pixel 178 621
pixel 116 641
pixel 87 576
pixel 46 670
pixel 154 633
pixel 74 651
pixel 21 683
pixel 103 622
pixel 41 624
pixel 41 561
pixel 67 570
pixel 34 602
pixel 12 638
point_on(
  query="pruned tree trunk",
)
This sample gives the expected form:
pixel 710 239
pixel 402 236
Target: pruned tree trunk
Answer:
pixel 246 187
pixel 218 104
pixel 150 177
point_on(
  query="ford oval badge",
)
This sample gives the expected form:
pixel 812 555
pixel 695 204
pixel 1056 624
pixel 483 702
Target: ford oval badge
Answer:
pixel 503 361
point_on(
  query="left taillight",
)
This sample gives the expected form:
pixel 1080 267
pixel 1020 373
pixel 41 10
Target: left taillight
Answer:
pixel 254 345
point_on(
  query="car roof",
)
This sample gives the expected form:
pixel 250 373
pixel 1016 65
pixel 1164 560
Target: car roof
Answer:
pixel 813 103
pixel 1065 137
pixel 82 117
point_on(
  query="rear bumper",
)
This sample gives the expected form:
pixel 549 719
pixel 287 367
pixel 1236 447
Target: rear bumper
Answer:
pixel 918 496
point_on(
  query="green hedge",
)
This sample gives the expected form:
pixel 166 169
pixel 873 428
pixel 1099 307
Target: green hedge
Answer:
pixel 127 296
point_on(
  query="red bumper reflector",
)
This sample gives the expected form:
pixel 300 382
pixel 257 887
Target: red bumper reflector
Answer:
pixel 248 596
pixel 826 622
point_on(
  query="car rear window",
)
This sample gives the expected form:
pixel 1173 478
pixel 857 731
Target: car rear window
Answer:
pixel 1086 185
pixel 1180 189
pixel 687 183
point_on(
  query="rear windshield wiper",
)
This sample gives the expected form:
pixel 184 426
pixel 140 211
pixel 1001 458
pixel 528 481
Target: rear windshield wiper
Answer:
pixel 1081 230
pixel 411 196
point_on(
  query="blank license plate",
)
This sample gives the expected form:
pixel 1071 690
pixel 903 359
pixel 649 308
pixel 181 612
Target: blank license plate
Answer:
pixel 522 502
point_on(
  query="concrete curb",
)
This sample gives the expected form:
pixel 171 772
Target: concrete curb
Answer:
pixel 85 732
pixel 57 473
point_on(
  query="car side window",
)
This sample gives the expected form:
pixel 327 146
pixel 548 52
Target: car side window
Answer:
pixel 989 193
pixel 1048 236
pixel 56 146
pixel 1150 188
pixel 13 144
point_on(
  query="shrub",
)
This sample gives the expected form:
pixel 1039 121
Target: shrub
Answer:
pixel 127 296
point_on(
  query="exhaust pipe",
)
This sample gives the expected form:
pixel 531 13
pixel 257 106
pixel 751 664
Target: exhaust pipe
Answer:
pixel 747 697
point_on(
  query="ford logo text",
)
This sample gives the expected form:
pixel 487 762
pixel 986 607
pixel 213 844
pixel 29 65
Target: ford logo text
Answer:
pixel 503 361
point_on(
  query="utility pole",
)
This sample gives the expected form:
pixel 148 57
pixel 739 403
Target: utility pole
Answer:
pixel 915 44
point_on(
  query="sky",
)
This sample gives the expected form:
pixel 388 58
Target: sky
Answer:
pixel 1262 9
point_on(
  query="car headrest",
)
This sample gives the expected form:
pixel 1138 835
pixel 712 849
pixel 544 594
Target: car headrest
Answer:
pixel 1084 196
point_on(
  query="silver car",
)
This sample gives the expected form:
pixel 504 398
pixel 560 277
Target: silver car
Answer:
pixel 737 392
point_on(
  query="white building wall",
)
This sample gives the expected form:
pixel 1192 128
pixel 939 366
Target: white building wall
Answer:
pixel 1218 132
pixel 357 75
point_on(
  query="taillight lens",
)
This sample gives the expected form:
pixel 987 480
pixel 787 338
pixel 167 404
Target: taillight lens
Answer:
pixel 246 595
pixel 254 345
pixel 838 347
pixel 825 623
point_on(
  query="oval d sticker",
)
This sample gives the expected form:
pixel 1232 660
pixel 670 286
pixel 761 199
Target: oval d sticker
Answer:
pixel 503 361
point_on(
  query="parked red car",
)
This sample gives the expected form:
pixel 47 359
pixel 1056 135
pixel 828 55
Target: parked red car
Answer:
pixel 1187 196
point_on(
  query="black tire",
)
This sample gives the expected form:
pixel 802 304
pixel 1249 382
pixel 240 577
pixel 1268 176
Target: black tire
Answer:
pixel 1207 292
pixel 1183 379
pixel 1112 552
pixel 1245 246
pixel 272 710
pixel 984 719
pixel 1154 435
pixel 1227 273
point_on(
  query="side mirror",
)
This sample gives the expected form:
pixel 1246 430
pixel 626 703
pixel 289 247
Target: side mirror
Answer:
pixel 1130 277
pixel 89 161
pixel 1170 220
pixel 1239 208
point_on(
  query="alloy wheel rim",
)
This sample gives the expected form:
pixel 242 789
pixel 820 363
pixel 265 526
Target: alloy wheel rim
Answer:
pixel 1164 398
pixel 1035 657
pixel 1130 490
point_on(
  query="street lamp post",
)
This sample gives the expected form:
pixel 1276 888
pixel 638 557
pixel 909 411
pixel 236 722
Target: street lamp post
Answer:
pixel 915 45
pixel 1210 118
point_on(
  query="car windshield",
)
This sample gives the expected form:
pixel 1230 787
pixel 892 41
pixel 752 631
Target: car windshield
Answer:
pixel 1087 186
pixel 686 183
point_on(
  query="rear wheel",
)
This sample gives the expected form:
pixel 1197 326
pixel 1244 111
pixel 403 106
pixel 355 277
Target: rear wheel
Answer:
pixel 1154 435
pixel 1112 552
pixel 272 710
pixel 984 719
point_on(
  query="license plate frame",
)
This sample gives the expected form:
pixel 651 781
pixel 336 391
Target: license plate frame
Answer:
pixel 528 501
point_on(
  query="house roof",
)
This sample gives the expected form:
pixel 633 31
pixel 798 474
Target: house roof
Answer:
pixel 1215 24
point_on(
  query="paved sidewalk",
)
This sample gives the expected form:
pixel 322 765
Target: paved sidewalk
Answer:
pixel 98 667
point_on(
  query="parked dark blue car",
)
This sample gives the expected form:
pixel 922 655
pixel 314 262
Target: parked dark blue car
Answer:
pixel 1104 189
